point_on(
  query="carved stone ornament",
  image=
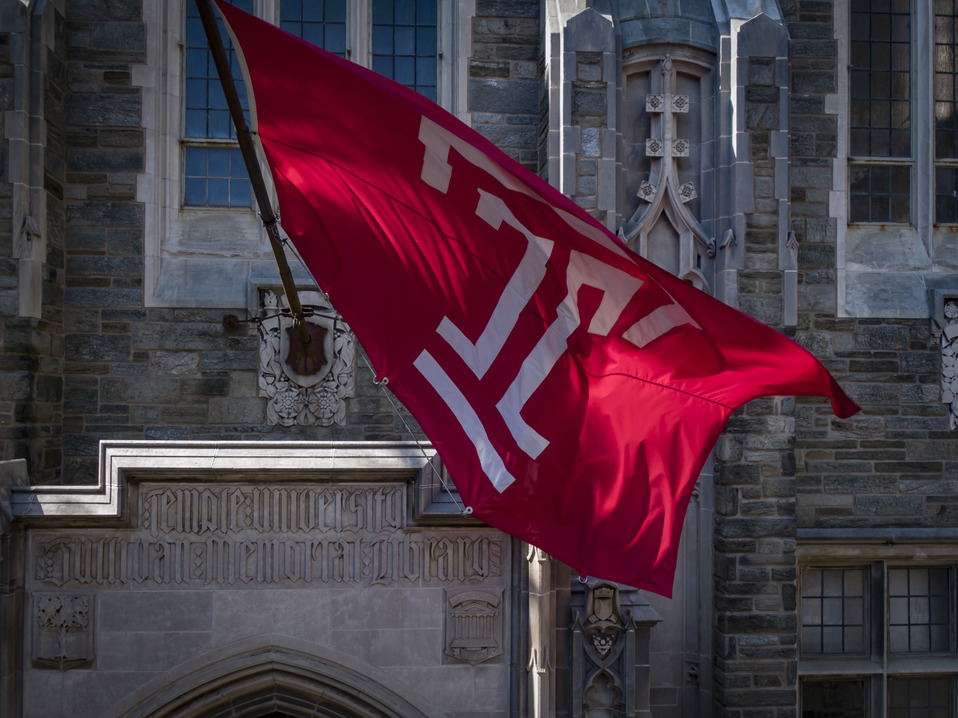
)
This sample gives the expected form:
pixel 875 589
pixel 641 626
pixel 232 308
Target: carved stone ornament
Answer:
pixel 473 625
pixel 603 631
pixel 63 630
pixel 949 361
pixel 662 227
pixel 318 399
pixel 647 191
pixel 210 535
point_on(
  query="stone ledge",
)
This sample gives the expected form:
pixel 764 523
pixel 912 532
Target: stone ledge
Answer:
pixel 121 460
pixel 871 535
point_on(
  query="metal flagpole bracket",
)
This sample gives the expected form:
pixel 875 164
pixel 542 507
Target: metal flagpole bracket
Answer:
pixel 305 355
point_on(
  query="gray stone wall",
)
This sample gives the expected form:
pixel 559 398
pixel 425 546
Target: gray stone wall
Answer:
pixel 32 193
pixel 896 463
pixel 133 372
pixel 755 573
pixel 505 72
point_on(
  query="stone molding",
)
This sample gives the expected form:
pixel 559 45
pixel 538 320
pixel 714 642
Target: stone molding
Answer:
pixel 275 667
pixel 121 460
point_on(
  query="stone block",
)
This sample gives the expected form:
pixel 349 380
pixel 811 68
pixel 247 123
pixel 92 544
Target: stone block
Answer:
pixel 588 102
pixel 90 109
pixel 228 360
pixel 817 48
pixel 933 450
pixel 175 363
pixel 105 266
pixel 90 159
pixel 206 386
pixel 882 337
pixel 118 36
pixel 816 256
pixel 184 414
pixel 106 214
pixel 137 390
pixel 889 505
pixel 237 410
pixel 179 336
pixel 755 527
pixel 920 362
pixel 489 68
pixel 82 297
pixel 98 347
pixel 86 238
pixel 817 298
pixel 507 8
pixel 508 135
pixel 495 95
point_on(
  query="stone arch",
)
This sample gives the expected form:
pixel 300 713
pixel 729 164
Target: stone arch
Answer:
pixel 274 676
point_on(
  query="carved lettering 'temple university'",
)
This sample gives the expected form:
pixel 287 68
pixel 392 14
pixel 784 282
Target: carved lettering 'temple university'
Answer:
pixel 217 510
pixel 228 535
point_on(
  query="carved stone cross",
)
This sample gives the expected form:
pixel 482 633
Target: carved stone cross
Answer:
pixel 664 146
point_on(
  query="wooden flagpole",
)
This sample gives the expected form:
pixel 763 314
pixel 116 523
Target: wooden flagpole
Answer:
pixel 306 358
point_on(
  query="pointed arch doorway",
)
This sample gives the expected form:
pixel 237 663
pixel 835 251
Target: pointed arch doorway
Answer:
pixel 280 678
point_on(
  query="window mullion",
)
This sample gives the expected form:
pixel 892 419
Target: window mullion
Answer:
pixel 923 125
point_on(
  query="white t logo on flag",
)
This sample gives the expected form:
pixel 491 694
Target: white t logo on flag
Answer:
pixel 618 288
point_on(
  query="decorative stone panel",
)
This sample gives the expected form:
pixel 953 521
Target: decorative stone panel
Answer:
pixel 473 625
pixel 610 651
pixel 318 399
pixel 62 630
pixel 949 360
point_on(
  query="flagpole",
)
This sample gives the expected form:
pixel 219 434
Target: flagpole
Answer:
pixel 304 361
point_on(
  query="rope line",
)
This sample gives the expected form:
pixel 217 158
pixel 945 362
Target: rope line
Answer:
pixel 382 384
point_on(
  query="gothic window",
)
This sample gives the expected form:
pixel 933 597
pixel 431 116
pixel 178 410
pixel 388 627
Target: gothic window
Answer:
pixel 205 246
pixel 214 173
pixel 321 23
pixel 892 118
pixel 946 117
pixel 878 640
pixel 833 612
pixel 404 43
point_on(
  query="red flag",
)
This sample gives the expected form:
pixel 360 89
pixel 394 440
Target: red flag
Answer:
pixel 573 389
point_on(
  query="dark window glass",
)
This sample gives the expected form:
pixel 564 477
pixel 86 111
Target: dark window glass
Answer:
pixel 216 177
pixel 213 176
pixel 946 111
pixel 207 116
pixel 919 610
pixel 946 79
pixel 880 84
pixel 321 22
pixel 921 697
pixel 879 193
pixel 833 699
pixel 405 43
pixel 946 195
pixel 833 611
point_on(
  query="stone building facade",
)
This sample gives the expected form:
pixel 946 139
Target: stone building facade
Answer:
pixel 189 529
